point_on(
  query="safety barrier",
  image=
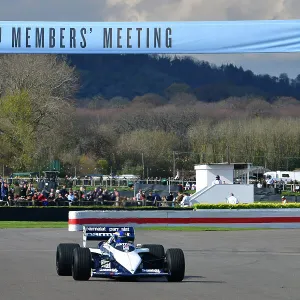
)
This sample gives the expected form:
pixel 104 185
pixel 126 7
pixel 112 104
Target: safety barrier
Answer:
pixel 250 218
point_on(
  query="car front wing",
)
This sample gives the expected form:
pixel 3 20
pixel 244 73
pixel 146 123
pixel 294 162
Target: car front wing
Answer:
pixel 105 273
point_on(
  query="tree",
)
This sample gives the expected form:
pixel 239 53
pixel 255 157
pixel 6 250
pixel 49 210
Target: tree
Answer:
pixel 87 164
pixel 38 89
pixel 18 128
pixel 177 88
pixel 103 165
pixel 156 147
pixel 149 100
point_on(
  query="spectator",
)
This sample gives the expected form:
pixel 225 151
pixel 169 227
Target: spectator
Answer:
pixel 156 199
pixel 94 194
pixel 259 185
pixel 117 196
pixel 34 199
pixel 76 195
pixel 270 182
pixel 170 197
pixel 45 192
pixel 99 192
pixel 143 198
pixel 187 186
pixel 23 191
pixel 42 199
pixel 138 196
pixel 4 191
pixel 10 196
pixel 51 198
pixel 60 200
pixel 232 199
pixel 217 180
pixel 106 196
pixel 283 200
pixel 17 191
pixel 179 198
pixel 185 202
pixel 149 197
pixel 82 193
pixel 29 192
pixel 10 200
pixel 71 197
pixel 63 191
pixel 164 202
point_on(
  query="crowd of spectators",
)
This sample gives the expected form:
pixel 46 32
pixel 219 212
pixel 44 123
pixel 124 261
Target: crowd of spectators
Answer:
pixel 154 199
pixel 26 194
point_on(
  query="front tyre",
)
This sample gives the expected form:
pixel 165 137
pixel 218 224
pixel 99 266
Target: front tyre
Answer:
pixel 82 264
pixel 64 258
pixel 175 264
pixel 155 258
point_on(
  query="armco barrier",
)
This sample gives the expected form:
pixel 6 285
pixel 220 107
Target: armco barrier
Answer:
pixel 229 218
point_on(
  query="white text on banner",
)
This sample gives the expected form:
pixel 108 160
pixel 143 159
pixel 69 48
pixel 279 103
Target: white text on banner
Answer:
pixel 150 37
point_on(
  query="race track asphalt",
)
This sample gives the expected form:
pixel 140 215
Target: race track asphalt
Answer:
pixel 246 265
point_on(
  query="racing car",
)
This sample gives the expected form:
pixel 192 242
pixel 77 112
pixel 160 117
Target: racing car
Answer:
pixel 116 256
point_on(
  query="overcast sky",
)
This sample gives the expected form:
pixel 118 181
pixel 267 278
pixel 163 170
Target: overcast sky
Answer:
pixel 169 10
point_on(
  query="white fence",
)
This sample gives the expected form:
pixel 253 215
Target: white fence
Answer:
pixel 227 218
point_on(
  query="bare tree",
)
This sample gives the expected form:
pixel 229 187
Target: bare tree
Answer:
pixel 50 83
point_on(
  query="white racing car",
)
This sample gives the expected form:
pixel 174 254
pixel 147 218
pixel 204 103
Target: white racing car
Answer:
pixel 116 256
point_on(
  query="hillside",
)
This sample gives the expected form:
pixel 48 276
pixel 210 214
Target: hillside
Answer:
pixel 145 115
pixel 129 76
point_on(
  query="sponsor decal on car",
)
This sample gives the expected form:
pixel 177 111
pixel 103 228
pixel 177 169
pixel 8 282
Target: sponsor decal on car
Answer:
pixel 99 234
pixel 125 247
pixel 151 270
pixel 118 228
pixel 105 264
pixel 95 228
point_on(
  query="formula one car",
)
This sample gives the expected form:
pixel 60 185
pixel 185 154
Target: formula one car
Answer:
pixel 116 256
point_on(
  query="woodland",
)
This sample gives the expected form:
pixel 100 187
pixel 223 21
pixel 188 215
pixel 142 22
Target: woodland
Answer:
pixel 142 114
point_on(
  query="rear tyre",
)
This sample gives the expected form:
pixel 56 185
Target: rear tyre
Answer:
pixel 155 258
pixel 175 264
pixel 82 264
pixel 64 258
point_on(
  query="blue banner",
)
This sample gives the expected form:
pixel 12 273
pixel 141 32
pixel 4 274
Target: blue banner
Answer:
pixel 150 37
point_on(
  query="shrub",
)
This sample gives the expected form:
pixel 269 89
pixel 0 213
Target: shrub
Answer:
pixel 247 206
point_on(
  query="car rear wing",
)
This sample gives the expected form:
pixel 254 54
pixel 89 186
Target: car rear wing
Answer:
pixel 103 233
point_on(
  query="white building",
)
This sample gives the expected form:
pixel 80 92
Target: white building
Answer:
pixel 207 192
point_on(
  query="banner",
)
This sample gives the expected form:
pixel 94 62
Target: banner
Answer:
pixel 150 37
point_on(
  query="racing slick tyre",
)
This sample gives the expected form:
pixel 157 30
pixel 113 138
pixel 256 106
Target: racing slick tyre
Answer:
pixel 82 264
pixel 64 258
pixel 175 264
pixel 155 258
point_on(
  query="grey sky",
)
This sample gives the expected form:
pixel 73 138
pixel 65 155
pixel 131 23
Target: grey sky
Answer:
pixel 169 10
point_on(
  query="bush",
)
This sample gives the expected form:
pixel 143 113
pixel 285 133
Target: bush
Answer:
pixel 288 193
pixel 247 206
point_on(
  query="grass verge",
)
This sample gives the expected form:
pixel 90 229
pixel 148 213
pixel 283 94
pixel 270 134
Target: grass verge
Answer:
pixel 186 228
pixel 28 224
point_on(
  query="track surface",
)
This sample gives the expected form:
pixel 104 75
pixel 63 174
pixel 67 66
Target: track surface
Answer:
pixel 219 265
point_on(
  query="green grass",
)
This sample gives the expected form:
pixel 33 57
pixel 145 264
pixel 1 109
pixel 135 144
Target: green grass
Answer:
pixel 28 224
pixel 196 228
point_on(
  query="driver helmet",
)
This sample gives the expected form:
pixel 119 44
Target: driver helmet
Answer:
pixel 120 237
